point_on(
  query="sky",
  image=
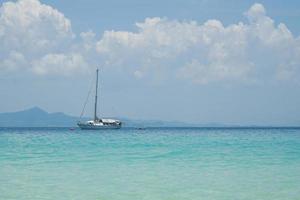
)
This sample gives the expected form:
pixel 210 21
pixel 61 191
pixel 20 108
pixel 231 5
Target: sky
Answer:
pixel 230 62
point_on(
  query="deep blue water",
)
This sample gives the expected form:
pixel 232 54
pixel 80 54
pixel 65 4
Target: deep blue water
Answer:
pixel 151 164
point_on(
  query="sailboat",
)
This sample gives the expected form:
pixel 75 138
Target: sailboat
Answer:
pixel 99 123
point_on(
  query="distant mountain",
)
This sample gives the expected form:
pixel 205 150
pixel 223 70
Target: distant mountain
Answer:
pixel 36 117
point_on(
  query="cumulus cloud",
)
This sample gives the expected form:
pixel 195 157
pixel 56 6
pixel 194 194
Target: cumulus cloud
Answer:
pixel 256 12
pixel 31 33
pixel 39 39
pixel 206 52
pixel 59 64
pixel 13 61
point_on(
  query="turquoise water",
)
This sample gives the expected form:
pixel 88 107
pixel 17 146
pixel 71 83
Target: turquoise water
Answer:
pixel 151 164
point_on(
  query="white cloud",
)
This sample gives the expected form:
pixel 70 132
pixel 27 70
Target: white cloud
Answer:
pixel 89 40
pixel 59 64
pixel 30 26
pixel 39 39
pixel 256 12
pixel 31 33
pixel 206 52
pixel 13 61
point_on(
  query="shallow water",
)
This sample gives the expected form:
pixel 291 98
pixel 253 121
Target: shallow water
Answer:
pixel 151 164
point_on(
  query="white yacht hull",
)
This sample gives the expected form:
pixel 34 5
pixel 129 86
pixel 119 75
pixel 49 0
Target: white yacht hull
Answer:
pixel 97 126
pixel 93 127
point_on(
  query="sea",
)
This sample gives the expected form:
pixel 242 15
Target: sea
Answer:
pixel 150 164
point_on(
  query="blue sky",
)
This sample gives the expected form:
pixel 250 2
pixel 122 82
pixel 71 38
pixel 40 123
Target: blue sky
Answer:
pixel 231 62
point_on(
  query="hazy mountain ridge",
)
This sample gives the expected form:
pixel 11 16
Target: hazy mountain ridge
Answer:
pixel 37 117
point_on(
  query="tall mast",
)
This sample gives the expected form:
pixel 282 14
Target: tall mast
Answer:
pixel 96 96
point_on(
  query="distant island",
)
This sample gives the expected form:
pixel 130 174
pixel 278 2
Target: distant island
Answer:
pixel 37 117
